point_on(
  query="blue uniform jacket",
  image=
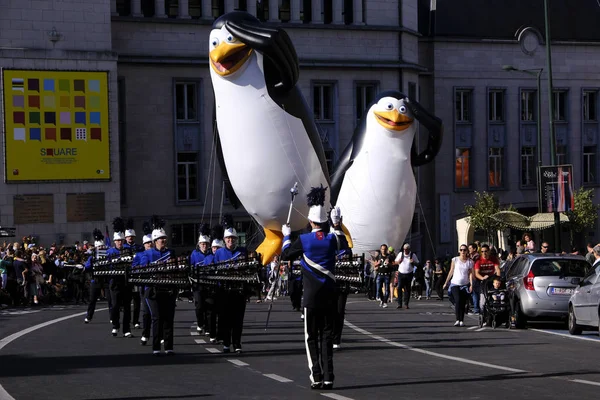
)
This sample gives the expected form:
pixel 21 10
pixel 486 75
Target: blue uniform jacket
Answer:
pixel 198 257
pixel 318 251
pixel 136 247
pixel 224 254
pixel 152 255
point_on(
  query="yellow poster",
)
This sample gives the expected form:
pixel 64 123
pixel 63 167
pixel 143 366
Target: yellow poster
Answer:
pixel 56 126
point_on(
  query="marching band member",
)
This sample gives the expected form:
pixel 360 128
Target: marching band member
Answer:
pixel 197 259
pixel 160 300
pixel 212 294
pixel 96 284
pixel 318 251
pixel 119 290
pixel 344 251
pixel 234 301
pixel 135 248
pixel 137 260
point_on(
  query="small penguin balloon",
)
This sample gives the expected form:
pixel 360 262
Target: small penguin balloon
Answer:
pixel 267 139
pixel 373 182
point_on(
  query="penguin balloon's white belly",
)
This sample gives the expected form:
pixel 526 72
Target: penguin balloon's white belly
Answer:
pixel 265 149
pixel 377 199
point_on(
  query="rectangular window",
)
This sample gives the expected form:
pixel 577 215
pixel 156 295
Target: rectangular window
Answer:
pixel 561 155
pixel 528 163
pixel 187 177
pixel 589 106
pixel 528 103
pixel 495 163
pixel 364 95
pixel 496 105
pixel 589 164
pixel 461 166
pixel 186 101
pixel 184 234
pixel 560 105
pixel 323 101
pixel 195 7
pixel 463 105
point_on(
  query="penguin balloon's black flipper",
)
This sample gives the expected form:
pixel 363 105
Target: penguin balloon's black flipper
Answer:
pixel 436 133
pixel 282 69
pixel 233 199
pixel 346 160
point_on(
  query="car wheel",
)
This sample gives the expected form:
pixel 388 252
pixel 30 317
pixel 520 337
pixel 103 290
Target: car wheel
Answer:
pixel 574 329
pixel 520 319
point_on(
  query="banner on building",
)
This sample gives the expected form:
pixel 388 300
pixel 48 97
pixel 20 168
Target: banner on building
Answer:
pixel 557 188
pixel 56 126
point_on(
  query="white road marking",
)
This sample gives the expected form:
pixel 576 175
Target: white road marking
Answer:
pixel 278 378
pixel 472 327
pixel 237 362
pixel 585 382
pixel 431 353
pixel 200 341
pixel 480 329
pixel 212 350
pixel 336 396
pixel 567 335
pixel 5 341
pixel 195 333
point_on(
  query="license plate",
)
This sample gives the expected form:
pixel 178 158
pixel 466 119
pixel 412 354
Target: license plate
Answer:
pixel 558 290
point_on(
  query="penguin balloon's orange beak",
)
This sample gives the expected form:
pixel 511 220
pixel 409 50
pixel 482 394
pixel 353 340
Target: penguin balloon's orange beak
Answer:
pixel 227 58
pixel 393 120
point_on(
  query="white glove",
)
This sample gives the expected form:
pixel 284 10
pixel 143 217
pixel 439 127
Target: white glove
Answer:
pixel 286 230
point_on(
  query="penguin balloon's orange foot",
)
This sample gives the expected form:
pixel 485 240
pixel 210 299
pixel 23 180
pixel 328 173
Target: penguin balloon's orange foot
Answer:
pixel 270 246
pixel 348 236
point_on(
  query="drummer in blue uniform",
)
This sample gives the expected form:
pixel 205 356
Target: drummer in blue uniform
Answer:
pixel 160 300
pixel 119 289
pixel 343 288
pixel 96 284
pixel 134 248
pixel 233 307
pixel 137 260
pixel 317 251
pixel 197 260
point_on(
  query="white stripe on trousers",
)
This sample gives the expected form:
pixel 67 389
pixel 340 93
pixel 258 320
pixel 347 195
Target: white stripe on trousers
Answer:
pixel 310 364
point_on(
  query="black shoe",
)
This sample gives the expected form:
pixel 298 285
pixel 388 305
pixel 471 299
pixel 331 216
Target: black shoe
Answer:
pixel 316 385
pixel 226 349
pixel 170 352
pixel 327 385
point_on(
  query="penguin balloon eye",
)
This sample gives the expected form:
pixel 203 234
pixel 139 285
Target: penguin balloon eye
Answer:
pixel 402 109
pixel 230 39
pixel 214 42
pixel 389 106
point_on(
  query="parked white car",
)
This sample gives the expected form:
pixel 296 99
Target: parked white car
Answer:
pixel 584 304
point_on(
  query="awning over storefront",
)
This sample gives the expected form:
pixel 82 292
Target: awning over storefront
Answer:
pixel 535 223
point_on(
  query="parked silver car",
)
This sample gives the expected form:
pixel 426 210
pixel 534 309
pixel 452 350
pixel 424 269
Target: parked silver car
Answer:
pixel 584 305
pixel 540 285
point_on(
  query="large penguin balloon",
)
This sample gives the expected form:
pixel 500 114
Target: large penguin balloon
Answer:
pixel 373 183
pixel 267 138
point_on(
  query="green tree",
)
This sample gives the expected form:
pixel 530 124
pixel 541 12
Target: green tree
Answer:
pixel 584 214
pixel 480 214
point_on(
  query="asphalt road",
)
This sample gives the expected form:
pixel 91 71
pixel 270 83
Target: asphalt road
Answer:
pixel 388 353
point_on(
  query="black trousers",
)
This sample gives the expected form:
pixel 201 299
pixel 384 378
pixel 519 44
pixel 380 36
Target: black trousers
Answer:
pixel 231 318
pixel 439 287
pixel 121 297
pixel 161 304
pixel 211 305
pixel 404 282
pixel 460 297
pixel 338 325
pixel 137 302
pixel 318 331
pixel 146 316
pixel 200 307
pixel 295 289
pixel 95 291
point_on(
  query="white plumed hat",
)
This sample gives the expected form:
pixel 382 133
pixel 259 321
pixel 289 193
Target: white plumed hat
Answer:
pixel 129 228
pixel 157 228
pixel 118 228
pixel 217 243
pixel 204 234
pixel 147 229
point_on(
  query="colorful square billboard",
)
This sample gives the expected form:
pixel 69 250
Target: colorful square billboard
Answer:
pixel 56 126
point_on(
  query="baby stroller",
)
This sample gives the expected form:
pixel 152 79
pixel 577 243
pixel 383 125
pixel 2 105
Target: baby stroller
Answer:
pixel 496 310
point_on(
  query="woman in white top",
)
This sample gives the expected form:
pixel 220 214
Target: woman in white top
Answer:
pixel 461 273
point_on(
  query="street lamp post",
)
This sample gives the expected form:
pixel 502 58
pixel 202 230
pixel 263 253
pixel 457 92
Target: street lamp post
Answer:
pixel 538 73
pixel 557 244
